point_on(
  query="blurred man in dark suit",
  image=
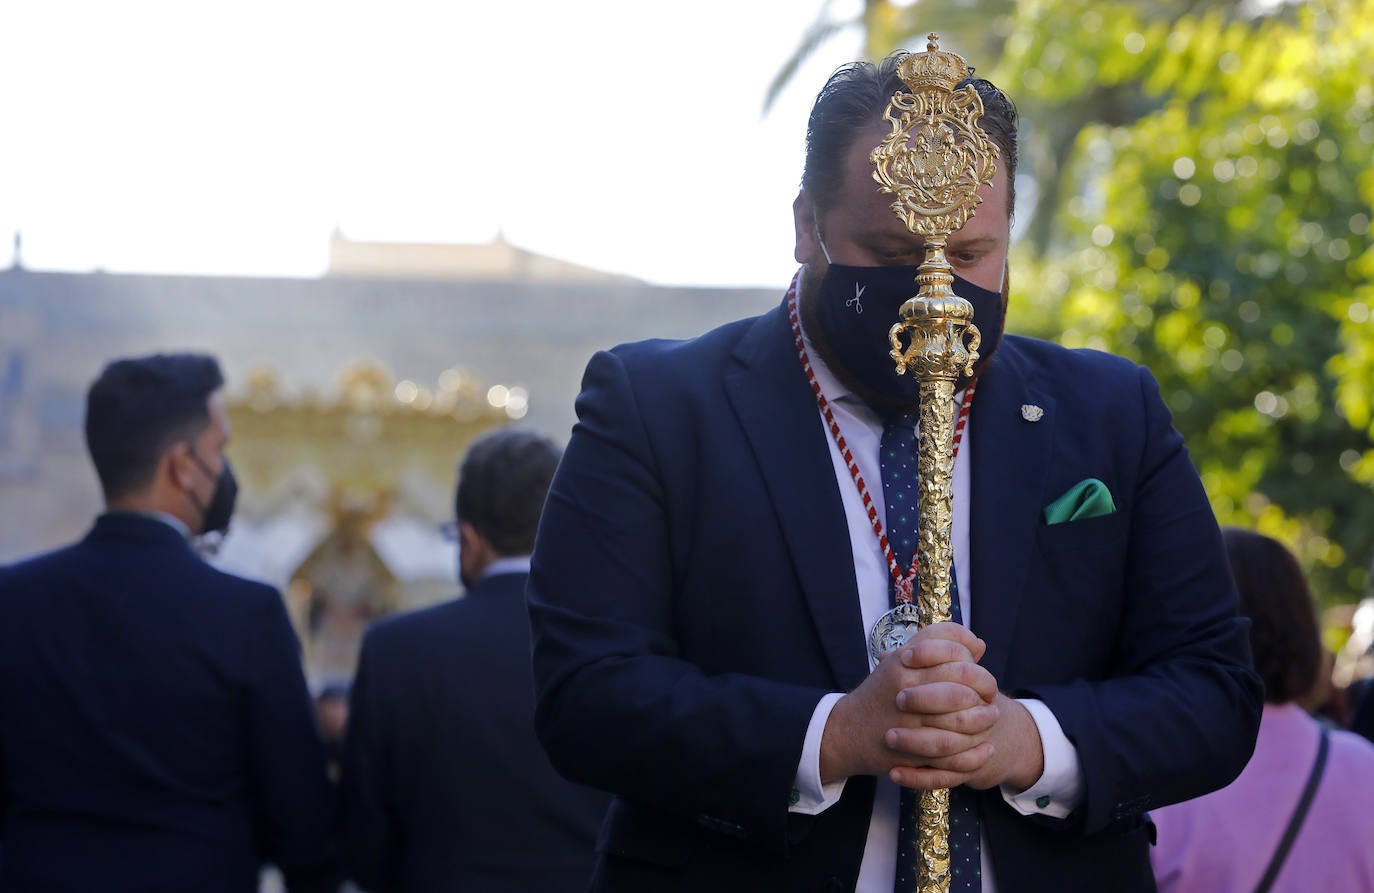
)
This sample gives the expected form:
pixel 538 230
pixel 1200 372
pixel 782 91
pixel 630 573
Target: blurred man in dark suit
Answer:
pixel 156 733
pixel 445 786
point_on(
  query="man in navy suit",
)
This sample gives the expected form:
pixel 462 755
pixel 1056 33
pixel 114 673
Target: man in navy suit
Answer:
pixel 707 573
pixel 445 785
pixel 156 733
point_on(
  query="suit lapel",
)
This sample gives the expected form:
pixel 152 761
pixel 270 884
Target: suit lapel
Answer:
pixel 1010 456
pixel 777 411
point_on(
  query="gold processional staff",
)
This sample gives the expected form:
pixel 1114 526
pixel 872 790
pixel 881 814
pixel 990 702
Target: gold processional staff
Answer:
pixel 934 161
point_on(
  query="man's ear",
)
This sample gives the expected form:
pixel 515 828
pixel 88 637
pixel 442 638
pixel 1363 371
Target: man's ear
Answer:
pixel 475 551
pixel 469 540
pixel 474 544
pixel 179 465
pixel 1006 283
pixel 804 220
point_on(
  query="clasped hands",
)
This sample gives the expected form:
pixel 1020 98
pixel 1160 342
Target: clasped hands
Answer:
pixel 929 716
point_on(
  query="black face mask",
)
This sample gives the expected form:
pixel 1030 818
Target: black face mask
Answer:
pixel 214 518
pixel 857 308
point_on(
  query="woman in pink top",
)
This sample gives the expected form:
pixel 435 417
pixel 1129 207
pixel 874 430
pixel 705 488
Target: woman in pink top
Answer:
pixel 1224 842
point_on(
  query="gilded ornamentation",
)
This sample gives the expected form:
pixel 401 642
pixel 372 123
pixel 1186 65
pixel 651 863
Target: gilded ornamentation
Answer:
pixel 936 157
pixel 334 468
pixel 932 851
pixel 934 161
pixel 935 458
pixel 366 437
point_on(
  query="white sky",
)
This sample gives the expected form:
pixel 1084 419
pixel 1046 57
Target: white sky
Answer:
pixel 231 137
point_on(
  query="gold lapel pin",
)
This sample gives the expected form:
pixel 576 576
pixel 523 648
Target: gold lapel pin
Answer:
pixel 1032 413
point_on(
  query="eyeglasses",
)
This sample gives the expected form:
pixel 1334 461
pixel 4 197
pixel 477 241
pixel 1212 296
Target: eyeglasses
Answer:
pixel 449 531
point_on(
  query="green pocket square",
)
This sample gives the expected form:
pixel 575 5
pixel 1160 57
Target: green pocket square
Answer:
pixel 1088 498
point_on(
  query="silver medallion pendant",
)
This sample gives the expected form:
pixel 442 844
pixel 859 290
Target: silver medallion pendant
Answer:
pixel 893 630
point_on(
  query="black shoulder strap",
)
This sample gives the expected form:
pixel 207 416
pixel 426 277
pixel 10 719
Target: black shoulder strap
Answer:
pixel 1295 823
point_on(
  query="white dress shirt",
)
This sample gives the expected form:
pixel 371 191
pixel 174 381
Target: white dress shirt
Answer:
pixel 171 521
pixel 513 564
pixel 1057 792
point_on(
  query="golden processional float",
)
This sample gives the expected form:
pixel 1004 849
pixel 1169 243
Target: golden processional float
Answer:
pixel 934 161
pixel 342 495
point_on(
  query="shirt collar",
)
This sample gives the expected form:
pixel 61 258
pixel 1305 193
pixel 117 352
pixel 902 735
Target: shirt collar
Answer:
pixel 512 564
pixel 170 520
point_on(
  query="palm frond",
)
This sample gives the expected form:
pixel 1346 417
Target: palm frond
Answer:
pixel 820 31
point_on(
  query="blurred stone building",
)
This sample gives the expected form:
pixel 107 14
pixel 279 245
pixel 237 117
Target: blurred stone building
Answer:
pixel 352 397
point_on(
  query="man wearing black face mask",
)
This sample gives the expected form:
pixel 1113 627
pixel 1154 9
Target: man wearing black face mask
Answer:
pixel 215 515
pixel 155 728
pixel 714 552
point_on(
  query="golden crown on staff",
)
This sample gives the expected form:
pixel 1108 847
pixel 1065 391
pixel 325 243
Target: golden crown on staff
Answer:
pixel 934 161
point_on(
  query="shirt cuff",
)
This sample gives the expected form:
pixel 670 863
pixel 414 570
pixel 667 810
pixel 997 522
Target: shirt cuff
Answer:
pixel 1057 792
pixel 809 796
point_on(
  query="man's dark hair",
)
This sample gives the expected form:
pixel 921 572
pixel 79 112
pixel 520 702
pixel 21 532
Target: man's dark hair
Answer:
pixel 850 106
pixel 502 483
pixel 1283 622
pixel 138 407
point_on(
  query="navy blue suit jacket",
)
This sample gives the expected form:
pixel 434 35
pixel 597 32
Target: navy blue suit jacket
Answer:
pixel 445 786
pixel 693 597
pixel 155 729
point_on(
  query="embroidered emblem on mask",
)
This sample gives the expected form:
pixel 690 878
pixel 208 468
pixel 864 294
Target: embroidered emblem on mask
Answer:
pixel 854 302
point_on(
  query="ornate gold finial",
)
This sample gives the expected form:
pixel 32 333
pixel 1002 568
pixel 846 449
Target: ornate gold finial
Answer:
pixel 936 157
pixel 933 69
pixel 262 390
pixel 365 385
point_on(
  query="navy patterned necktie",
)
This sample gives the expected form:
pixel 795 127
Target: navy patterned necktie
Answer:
pixel 898 462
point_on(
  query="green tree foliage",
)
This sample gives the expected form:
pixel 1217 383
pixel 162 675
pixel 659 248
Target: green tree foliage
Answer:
pixel 1204 186
pixel 1222 238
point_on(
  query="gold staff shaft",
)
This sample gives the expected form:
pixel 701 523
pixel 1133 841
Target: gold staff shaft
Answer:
pixel 935 462
pixel 934 161
pixel 937 333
